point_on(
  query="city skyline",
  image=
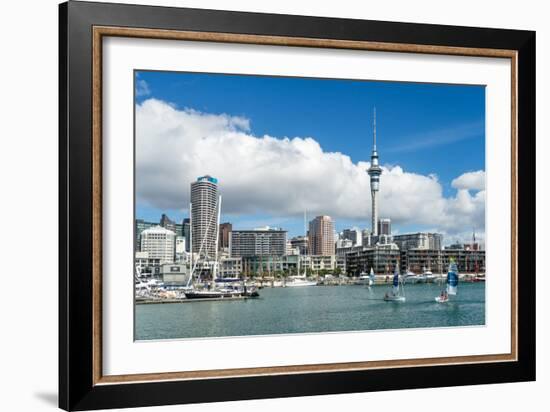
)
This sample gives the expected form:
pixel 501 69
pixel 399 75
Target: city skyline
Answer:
pixel 456 192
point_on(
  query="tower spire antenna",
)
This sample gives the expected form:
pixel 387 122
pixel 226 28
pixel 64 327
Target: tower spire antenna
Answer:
pixel 374 129
pixel 374 172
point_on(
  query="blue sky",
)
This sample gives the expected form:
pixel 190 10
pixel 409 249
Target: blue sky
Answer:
pixel 424 128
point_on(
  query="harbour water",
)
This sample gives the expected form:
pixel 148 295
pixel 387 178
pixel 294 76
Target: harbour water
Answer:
pixel 312 309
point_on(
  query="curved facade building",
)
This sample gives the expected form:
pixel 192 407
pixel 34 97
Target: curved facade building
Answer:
pixel 204 203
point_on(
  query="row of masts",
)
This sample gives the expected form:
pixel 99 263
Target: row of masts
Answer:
pixel 217 214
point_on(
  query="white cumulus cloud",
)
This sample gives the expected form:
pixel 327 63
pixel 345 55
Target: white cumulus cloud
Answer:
pixel 470 181
pixel 282 176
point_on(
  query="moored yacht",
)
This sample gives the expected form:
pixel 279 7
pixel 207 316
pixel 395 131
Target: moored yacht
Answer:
pixel 297 281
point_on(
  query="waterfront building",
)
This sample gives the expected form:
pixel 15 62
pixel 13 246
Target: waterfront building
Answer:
pixel 384 227
pixel 374 172
pixel 341 263
pixel 321 236
pixel 225 230
pixel 159 243
pixel 419 240
pixel 257 242
pixel 140 226
pixel 467 260
pixel 415 260
pixel 382 260
pixel 172 274
pixel 231 267
pixel 272 265
pixel 300 243
pixel 317 263
pixel 204 210
pixel 342 251
pixel 437 260
pixel 144 264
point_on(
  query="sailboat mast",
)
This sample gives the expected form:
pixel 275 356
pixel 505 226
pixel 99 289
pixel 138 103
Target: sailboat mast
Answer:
pixel 190 244
pixel 215 271
pixel 307 244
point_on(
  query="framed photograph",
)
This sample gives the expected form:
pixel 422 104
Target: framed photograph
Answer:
pixel 257 206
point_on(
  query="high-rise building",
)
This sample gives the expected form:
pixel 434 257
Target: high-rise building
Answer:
pixel 159 243
pixel 384 227
pixel 225 230
pixel 204 209
pixel 257 242
pixel 168 223
pixel 321 236
pixel 374 172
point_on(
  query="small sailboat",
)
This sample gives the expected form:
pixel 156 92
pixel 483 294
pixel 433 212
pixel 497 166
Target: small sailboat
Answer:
pixel 397 293
pixel 371 277
pixel 452 284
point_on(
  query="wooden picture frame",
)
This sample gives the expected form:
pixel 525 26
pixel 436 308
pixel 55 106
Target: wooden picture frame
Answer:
pixel 82 385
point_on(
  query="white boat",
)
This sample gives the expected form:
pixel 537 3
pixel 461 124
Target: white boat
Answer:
pixel 298 281
pixel 411 277
pixel 397 292
pixel 426 276
pixel 452 284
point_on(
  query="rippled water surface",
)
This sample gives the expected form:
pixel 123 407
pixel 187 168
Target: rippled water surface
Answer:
pixel 312 309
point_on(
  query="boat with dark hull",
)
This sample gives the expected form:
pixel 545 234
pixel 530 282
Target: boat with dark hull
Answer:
pixel 225 293
pixel 210 294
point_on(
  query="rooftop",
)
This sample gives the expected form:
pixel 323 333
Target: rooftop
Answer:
pixel 207 178
pixel 157 230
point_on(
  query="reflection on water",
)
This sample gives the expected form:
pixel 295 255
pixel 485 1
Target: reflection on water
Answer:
pixel 312 309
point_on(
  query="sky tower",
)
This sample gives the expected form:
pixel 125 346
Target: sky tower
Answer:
pixel 374 172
